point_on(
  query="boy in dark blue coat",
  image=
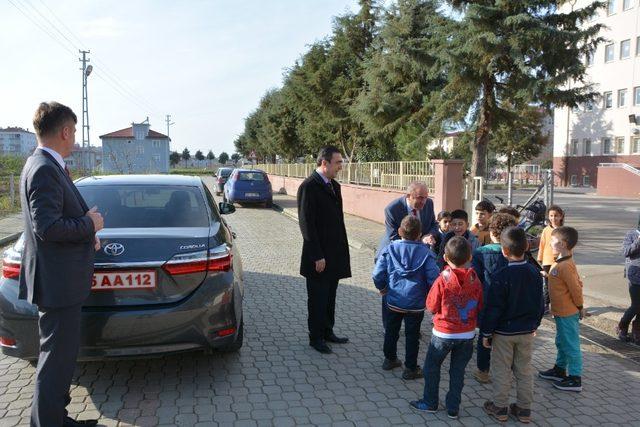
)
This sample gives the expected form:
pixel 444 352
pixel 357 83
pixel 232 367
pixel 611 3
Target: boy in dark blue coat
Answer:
pixel 404 273
pixel 486 261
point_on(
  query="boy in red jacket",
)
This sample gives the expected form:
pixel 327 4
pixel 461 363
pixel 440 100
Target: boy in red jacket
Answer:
pixel 455 300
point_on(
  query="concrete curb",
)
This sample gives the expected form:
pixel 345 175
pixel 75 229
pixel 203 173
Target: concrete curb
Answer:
pixel 10 238
pixel 293 214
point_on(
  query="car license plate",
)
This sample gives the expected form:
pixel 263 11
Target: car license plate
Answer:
pixel 113 280
pixel 252 194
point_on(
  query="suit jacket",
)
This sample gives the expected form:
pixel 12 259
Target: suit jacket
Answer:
pixel 58 254
pixel 321 222
pixel 396 211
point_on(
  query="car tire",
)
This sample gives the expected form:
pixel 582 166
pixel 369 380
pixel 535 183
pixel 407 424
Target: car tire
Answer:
pixel 237 344
pixel 268 204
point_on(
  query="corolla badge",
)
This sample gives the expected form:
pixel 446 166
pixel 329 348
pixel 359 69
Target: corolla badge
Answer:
pixel 113 249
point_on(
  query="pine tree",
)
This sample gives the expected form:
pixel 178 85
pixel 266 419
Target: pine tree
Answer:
pixel 501 56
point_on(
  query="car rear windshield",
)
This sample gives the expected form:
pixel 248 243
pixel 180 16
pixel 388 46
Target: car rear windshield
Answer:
pixel 224 172
pixel 251 176
pixel 147 206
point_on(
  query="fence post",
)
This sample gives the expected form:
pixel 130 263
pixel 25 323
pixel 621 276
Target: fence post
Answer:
pixel 12 191
pixel 371 174
pixel 510 188
pixel 402 175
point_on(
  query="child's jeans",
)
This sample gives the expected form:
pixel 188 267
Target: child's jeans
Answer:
pixel 412 323
pixel 461 351
pixel 569 356
pixel 512 354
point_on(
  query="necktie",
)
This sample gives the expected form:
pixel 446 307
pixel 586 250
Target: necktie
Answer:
pixel 414 212
pixel 331 188
pixel 67 171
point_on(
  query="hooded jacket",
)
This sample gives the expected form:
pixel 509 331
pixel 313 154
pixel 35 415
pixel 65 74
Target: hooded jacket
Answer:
pixel 405 269
pixel 455 299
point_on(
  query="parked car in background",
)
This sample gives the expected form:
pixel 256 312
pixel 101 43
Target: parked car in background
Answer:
pixel 248 186
pixel 221 178
pixel 168 276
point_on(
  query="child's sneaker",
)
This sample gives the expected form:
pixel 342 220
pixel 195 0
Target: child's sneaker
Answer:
pixel 389 364
pixel 571 383
pixel 412 374
pixel 482 376
pixel 452 414
pixel 522 415
pixel 500 414
pixel 422 406
pixel 553 374
pixel 623 335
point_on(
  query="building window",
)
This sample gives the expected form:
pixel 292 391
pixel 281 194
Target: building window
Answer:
pixel 588 106
pixel 608 53
pixel 619 146
pixel 607 98
pixel 156 144
pixel 627 4
pixel 140 149
pixel 636 95
pixel 574 147
pixel 575 110
pixel 574 180
pixel 637 46
pixel 625 49
pixel 622 97
pixel 635 145
pixel 586 181
pixel 611 7
pixel 588 59
pixel 587 146
pixel 606 145
pixel 156 158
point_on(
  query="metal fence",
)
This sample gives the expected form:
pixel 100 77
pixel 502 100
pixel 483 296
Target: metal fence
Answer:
pixel 9 196
pixel 396 175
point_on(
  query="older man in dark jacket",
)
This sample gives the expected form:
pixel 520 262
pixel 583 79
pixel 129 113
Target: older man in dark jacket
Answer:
pixel 325 250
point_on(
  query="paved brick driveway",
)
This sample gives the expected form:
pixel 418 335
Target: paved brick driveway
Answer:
pixel 276 379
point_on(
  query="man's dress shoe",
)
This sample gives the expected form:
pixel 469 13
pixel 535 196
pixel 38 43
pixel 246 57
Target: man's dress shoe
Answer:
pixel 338 340
pixel 321 346
pixel 70 422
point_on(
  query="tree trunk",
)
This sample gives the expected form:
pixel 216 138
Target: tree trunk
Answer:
pixel 485 122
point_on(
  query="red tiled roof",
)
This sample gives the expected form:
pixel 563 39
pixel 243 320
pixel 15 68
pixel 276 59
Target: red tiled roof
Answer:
pixel 128 133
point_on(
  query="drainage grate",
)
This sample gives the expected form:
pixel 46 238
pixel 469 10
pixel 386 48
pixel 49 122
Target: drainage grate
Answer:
pixel 629 351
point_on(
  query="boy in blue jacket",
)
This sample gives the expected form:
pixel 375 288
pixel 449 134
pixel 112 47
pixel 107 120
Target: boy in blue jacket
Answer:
pixel 404 273
pixel 486 261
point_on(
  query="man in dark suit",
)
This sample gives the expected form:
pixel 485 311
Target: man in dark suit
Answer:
pixel 57 260
pixel 325 250
pixel 417 203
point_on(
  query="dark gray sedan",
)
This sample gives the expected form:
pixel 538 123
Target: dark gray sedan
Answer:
pixel 167 277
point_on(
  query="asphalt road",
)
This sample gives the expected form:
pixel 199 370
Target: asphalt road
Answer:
pixel 602 223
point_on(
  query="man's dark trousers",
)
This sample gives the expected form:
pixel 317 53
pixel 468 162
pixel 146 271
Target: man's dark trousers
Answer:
pixel 321 306
pixel 59 344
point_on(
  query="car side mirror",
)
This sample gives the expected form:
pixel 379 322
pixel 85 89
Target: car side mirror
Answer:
pixel 226 208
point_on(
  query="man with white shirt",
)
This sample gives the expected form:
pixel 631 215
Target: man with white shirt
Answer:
pixel 57 260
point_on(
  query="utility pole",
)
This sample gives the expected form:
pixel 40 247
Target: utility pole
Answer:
pixel 169 124
pixel 86 144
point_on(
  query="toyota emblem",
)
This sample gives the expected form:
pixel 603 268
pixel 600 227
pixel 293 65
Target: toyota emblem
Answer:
pixel 114 249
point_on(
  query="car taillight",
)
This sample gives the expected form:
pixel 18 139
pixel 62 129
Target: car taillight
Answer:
pixel 220 180
pixel 10 269
pixel 216 259
pixel 7 342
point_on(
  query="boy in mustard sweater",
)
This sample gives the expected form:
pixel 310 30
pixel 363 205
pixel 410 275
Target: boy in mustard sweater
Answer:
pixel 565 292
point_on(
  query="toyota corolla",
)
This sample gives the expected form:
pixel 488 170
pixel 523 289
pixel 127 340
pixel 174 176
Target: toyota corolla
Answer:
pixel 168 276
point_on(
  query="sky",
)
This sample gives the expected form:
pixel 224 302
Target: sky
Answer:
pixel 207 63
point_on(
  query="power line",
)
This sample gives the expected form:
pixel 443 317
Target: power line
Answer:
pixel 106 75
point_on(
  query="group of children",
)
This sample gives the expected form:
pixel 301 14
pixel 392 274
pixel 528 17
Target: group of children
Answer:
pixel 482 277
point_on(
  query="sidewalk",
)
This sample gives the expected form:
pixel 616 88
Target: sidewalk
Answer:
pixel 10 228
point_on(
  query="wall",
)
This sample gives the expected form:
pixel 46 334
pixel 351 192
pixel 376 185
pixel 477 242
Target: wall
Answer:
pixel 588 166
pixel 369 202
pixel 618 182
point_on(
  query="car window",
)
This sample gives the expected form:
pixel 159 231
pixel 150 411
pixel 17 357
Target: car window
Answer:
pixel 212 204
pixel 224 173
pixel 251 176
pixel 147 206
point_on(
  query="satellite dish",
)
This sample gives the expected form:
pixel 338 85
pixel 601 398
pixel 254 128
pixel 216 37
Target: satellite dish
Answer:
pixel 88 70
